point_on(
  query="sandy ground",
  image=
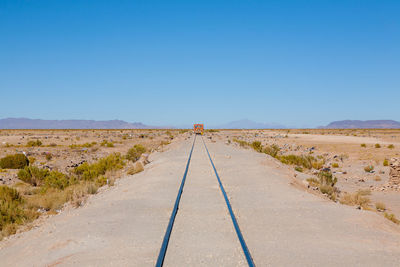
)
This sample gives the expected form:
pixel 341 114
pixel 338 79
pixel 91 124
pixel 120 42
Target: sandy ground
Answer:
pixel 282 225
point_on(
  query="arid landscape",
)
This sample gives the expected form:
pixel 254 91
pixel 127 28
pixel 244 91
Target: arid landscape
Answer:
pixel 199 133
pixel 348 168
pixel 53 168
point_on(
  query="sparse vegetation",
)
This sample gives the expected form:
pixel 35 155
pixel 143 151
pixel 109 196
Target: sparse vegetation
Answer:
pixel 32 143
pixel 299 169
pixel 135 152
pixel 363 145
pixel 16 161
pixel 377 146
pixel 391 146
pixel 335 165
pixel 301 161
pixel 12 211
pixel 107 144
pixel 241 142
pixel 271 150
pixel 89 172
pixel 256 145
pixel 386 162
pixel 391 217
pixel 357 199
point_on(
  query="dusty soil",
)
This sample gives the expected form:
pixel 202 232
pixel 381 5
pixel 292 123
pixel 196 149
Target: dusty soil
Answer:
pixel 282 223
pixel 341 147
pixel 70 148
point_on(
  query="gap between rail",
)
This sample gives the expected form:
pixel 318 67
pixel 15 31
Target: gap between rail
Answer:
pixel 163 250
pixel 234 221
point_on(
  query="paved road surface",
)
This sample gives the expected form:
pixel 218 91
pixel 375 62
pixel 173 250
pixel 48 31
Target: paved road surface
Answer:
pixel 282 225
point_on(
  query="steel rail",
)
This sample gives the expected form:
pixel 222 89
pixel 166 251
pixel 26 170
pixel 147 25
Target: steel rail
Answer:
pixel 164 246
pixel 234 221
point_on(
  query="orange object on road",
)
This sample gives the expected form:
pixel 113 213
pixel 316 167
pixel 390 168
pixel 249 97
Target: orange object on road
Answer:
pixel 198 128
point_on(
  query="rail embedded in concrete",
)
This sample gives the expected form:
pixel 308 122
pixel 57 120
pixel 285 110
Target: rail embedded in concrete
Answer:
pixel 164 246
pixel 234 221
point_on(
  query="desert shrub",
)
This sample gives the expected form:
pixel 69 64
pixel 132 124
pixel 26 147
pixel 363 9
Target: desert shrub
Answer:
pixel 271 150
pixel 135 152
pixel 302 161
pixel 335 165
pixel 241 142
pixel 53 144
pixel 32 143
pixel 385 162
pixel 87 145
pixel 377 146
pixel 313 182
pixel 31 160
pixel 136 169
pixel 369 168
pixel 49 156
pixel 89 172
pixel 33 175
pixel 256 145
pixel 12 212
pixel 56 179
pixel 107 144
pixel 391 217
pixel 16 161
pixel 363 145
pixel 359 198
pixel 380 206
pixel 326 178
pixel 299 169
pixel 391 146
pixel 101 180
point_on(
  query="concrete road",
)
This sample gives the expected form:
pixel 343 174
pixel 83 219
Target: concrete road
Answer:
pixel 282 225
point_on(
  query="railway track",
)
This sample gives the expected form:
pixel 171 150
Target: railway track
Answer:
pixel 169 231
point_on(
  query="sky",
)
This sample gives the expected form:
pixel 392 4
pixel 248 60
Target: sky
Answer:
pixel 296 63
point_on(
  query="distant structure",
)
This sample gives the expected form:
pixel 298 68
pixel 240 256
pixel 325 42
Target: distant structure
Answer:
pixel 198 128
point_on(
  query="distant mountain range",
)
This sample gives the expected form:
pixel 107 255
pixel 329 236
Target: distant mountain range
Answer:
pixel 248 124
pixel 356 124
pixel 24 123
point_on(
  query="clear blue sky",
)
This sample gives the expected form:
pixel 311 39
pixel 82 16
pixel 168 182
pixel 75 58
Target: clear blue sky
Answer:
pixel 298 63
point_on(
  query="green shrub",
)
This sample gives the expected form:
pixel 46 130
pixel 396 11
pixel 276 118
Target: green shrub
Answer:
pixel 107 144
pixel 256 145
pixel 11 210
pixel 43 177
pixel 135 152
pixel 326 178
pixel 56 179
pixel 335 165
pixel 299 169
pixel 33 175
pixel 34 143
pixel 271 150
pixel 385 162
pixel 302 161
pixel 391 146
pixel 90 172
pixel 16 161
